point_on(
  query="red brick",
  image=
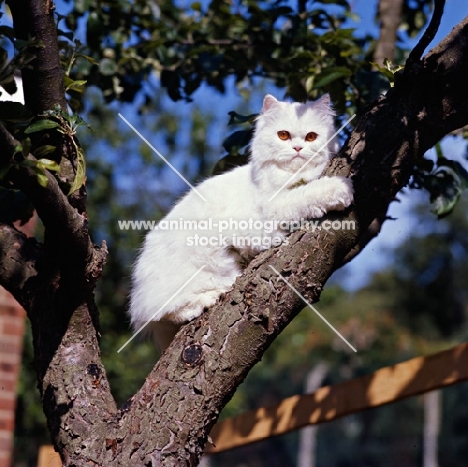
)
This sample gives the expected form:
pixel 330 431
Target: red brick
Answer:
pixel 13 377
pixel 12 322
pixel 12 325
pixel 12 358
pixel 10 309
pixel 7 422
pixel 11 345
pixel 6 385
pixel 8 368
pixel 7 403
pixel 6 441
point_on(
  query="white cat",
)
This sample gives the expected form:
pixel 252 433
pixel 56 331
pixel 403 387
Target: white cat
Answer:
pixel 181 271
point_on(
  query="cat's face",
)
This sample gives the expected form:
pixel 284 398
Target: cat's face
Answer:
pixel 291 134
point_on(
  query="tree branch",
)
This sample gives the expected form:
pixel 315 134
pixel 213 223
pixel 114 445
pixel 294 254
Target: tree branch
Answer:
pixel 20 258
pixel 211 355
pixel 428 34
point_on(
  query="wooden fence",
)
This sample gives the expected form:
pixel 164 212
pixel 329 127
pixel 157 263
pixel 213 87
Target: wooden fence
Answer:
pixel 389 384
pixel 384 386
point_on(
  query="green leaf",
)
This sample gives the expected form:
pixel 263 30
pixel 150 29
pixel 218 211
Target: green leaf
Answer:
pixel 41 125
pixel 228 163
pixel 331 74
pixel 73 85
pixel 26 147
pixel 80 175
pixel 459 171
pixel 236 119
pixel 48 164
pixel 42 151
pixel 388 70
pixel 88 58
pixel 108 66
pixel 445 190
pixel 7 31
pixel 41 179
pixel 335 2
pixel 237 140
pixel 37 169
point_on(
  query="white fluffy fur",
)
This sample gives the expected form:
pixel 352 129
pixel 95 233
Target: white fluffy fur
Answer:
pixel 166 261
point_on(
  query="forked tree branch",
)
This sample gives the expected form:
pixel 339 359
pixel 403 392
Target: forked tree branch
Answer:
pixel 211 355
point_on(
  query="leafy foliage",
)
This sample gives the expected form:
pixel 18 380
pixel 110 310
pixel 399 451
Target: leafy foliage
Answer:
pixel 444 180
pixel 388 70
pixel 206 43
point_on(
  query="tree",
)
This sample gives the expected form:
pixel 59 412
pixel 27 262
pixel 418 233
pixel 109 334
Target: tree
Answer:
pixel 168 420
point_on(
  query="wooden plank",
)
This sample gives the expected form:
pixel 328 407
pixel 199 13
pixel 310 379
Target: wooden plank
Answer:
pixel 48 457
pixel 389 384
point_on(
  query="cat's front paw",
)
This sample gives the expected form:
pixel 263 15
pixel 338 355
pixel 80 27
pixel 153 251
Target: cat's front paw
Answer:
pixel 343 193
pixel 336 194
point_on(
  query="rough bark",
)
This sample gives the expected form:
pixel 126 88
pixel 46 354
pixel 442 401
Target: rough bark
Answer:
pixel 167 422
pixel 42 83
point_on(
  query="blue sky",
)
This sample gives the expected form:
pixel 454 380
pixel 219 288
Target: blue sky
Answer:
pixel 454 12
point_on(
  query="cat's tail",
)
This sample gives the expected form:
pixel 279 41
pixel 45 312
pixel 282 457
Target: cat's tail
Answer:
pixel 162 332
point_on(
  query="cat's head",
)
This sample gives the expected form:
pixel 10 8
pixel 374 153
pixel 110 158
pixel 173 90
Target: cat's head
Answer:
pixel 289 134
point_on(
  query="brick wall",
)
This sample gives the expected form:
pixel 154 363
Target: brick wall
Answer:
pixel 12 323
pixel 11 342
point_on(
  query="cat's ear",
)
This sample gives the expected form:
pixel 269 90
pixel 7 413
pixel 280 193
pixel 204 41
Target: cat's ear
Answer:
pixel 268 102
pixel 324 104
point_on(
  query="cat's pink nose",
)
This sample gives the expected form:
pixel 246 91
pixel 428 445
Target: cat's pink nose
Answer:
pixel 297 148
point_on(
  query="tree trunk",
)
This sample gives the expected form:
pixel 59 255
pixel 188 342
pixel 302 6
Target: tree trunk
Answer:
pixel 390 19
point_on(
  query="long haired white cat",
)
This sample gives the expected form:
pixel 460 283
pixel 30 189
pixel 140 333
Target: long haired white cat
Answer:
pixel 201 247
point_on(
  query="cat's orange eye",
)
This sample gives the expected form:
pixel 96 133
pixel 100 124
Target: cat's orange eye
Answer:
pixel 284 135
pixel 311 136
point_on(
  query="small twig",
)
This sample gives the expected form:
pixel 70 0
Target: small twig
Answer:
pixel 429 34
